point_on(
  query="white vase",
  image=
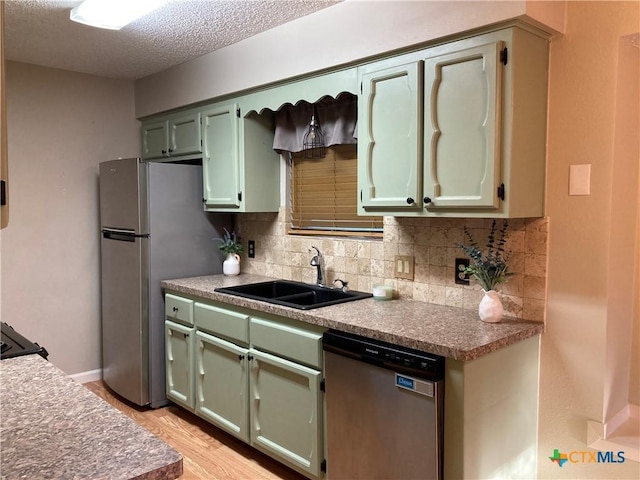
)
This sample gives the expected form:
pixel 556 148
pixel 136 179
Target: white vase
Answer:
pixel 490 309
pixel 231 265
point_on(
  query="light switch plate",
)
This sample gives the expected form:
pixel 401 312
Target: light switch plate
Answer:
pixel 580 179
pixel 403 267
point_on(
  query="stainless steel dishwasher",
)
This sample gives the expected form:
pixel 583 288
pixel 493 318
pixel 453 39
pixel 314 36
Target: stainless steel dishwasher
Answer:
pixel 384 410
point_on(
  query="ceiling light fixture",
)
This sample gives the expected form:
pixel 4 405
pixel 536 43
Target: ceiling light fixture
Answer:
pixel 112 14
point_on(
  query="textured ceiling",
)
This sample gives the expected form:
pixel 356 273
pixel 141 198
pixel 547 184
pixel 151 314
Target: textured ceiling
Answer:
pixel 40 32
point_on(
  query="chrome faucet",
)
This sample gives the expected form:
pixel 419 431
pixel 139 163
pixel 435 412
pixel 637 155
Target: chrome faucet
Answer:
pixel 318 262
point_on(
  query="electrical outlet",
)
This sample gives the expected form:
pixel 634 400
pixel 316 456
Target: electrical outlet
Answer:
pixel 461 278
pixel 251 249
pixel 403 267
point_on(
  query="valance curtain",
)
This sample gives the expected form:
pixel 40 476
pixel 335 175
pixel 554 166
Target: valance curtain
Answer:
pixel 337 118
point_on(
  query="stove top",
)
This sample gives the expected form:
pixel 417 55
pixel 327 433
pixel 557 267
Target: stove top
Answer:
pixel 12 344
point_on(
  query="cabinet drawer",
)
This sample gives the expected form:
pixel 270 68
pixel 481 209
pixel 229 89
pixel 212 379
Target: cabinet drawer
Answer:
pixel 178 308
pixel 222 322
pixel 294 343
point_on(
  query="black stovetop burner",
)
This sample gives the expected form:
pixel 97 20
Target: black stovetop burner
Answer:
pixel 15 345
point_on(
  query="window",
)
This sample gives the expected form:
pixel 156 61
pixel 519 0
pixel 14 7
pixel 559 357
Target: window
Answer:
pixel 324 191
pixel 324 195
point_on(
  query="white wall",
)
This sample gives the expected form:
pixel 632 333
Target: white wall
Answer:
pixel 575 379
pixel 358 29
pixel 61 125
pixel 622 290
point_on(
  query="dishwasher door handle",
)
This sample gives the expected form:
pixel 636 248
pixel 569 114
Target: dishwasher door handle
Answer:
pixel 372 361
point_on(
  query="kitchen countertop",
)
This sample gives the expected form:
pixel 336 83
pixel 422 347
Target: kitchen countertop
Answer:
pixel 448 331
pixel 53 427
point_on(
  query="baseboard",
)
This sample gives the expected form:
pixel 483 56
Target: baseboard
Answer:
pixel 623 433
pixel 86 377
pixel 617 420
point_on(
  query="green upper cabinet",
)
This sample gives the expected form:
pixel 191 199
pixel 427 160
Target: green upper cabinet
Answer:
pixel 456 130
pixel 234 140
pixel 463 92
pixel 241 171
pixel 389 139
pixel 155 139
pixel 184 135
pixel 172 136
pixel 220 160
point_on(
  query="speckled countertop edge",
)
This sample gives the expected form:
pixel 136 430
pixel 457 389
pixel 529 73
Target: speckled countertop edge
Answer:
pixel 53 427
pixel 448 331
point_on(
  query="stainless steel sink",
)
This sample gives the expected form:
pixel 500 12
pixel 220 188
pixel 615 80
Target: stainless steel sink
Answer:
pixel 294 294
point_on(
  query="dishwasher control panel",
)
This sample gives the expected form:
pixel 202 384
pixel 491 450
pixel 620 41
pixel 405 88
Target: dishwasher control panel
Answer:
pixel 386 355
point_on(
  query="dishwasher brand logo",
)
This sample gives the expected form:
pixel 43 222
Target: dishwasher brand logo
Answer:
pixel 405 382
pixel 586 457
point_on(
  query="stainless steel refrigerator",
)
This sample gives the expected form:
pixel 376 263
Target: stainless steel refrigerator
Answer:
pixel 153 227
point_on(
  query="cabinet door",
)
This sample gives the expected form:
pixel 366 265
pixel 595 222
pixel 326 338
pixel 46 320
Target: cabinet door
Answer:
pixel 179 357
pixel 222 384
pixel 185 135
pixel 285 411
pixel 463 93
pixel 390 138
pixel 220 160
pixel 155 139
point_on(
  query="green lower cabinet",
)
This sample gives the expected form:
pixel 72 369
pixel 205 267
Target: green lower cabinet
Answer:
pixel 179 363
pixel 222 384
pixel 254 375
pixel 286 411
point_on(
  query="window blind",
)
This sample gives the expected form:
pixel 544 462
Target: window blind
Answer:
pixel 324 194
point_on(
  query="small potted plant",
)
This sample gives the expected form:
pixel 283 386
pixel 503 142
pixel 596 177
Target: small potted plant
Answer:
pixel 231 245
pixel 489 268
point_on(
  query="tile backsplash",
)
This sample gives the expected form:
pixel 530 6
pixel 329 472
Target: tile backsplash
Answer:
pixel 432 242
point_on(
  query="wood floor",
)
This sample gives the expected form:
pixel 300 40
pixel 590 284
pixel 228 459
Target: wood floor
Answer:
pixel 208 453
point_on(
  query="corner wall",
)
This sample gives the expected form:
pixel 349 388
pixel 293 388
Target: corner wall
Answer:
pixel 60 126
pixel 581 129
pixel 623 292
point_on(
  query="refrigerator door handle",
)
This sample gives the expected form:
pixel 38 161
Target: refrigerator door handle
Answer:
pixel 122 235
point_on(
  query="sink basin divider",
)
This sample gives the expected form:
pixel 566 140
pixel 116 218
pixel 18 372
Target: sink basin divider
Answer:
pixel 295 296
